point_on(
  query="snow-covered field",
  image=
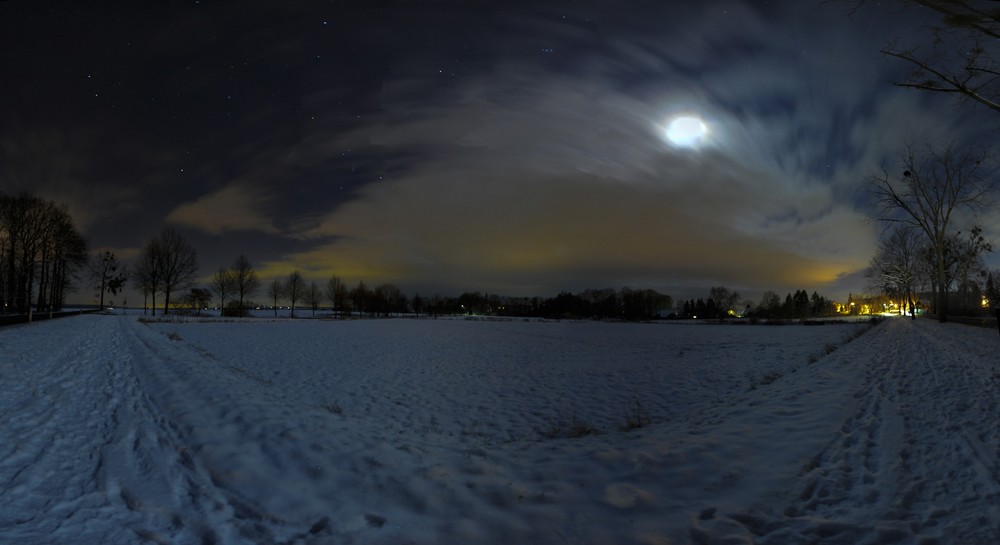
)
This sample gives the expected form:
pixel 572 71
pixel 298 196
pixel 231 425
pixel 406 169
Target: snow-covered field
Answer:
pixel 449 431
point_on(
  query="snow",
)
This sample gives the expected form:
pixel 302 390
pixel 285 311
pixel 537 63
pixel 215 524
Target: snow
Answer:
pixel 452 431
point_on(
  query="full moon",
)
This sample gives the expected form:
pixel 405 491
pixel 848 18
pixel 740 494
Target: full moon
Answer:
pixel 688 131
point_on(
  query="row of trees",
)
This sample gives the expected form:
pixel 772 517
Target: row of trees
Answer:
pixel 991 288
pixel 239 281
pixel 166 265
pixel 932 189
pixel 607 304
pixel 955 57
pixel 723 302
pixel 40 251
pixel 924 197
pixel 798 305
pixel 385 299
pixel 923 249
pixel 906 265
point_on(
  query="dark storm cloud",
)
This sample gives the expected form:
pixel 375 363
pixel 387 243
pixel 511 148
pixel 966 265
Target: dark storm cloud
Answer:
pixel 474 145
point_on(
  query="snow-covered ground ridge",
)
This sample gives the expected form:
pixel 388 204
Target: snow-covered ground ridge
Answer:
pixel 457 431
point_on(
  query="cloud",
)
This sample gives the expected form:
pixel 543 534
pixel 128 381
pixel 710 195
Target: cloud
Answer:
pixel 545 167
pixel 524 156
pixel 232 208
pixel 53 165
pixel 517 229
pixel 532 171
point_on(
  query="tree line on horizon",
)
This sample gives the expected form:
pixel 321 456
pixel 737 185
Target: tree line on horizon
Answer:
pixel 388 299
pixel 723 303
pixel 927 198
pixel 908 267
pixel 41 251
pixel 168 266
pixel 234 288
pixel 934 190
pixel 920 197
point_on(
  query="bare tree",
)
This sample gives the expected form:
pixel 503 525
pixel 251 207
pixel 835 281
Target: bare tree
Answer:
pixel 276 291
pixel 223 284
pixel 197 299
pixel 770 304
pixel 896 266
pixel 361 297
pixel 992 289
pixel 59 250
pixel 105 274
pixel 337 292
pixel 37 222
pixel 39 250
pixel 957 56
pixel 314 296
pixel 966 262
pixel 418 303
pixel 68 252
pixel 246 282
pixel 146 275
pixel 387 298
pixel 294 287
pixel 176 261
pixel 16 227
pixel 927 191
pixel 725 299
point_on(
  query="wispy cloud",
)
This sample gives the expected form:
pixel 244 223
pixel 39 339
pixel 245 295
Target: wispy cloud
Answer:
pixel 523 153
pixel 233 208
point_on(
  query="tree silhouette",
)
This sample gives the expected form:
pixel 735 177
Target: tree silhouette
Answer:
pixel 294 286
pixel 337 293
pixel 930 186
pixel 896 264
pixel 361 297
pixel 38 242
pixel 956 56
pixel 246 281
pixel 198 298
pixel 173 263
pixel 223 284
pixel 965 259
pixel 146 276
pixel 314 296
pixel 276 291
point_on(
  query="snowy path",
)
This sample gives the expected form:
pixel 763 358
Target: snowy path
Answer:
pixel 918 458
pixel 87 456
pixel 112 432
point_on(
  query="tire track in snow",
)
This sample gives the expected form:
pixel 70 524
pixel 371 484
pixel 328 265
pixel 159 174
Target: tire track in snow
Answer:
pixel 202 511
pixel 149 469
pixel 93 457
pixel 59 406
pixel 963 401
pixel 202 422
pixel 910 464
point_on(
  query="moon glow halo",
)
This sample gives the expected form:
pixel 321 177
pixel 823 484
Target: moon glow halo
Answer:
pixel 686 131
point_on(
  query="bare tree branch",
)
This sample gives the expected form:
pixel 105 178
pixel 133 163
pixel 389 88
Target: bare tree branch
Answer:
pixel 930 186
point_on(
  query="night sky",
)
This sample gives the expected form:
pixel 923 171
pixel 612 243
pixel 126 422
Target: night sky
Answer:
pixel 509 147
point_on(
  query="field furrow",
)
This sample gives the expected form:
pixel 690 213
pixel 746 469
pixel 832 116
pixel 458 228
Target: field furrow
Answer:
pixel 430 431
